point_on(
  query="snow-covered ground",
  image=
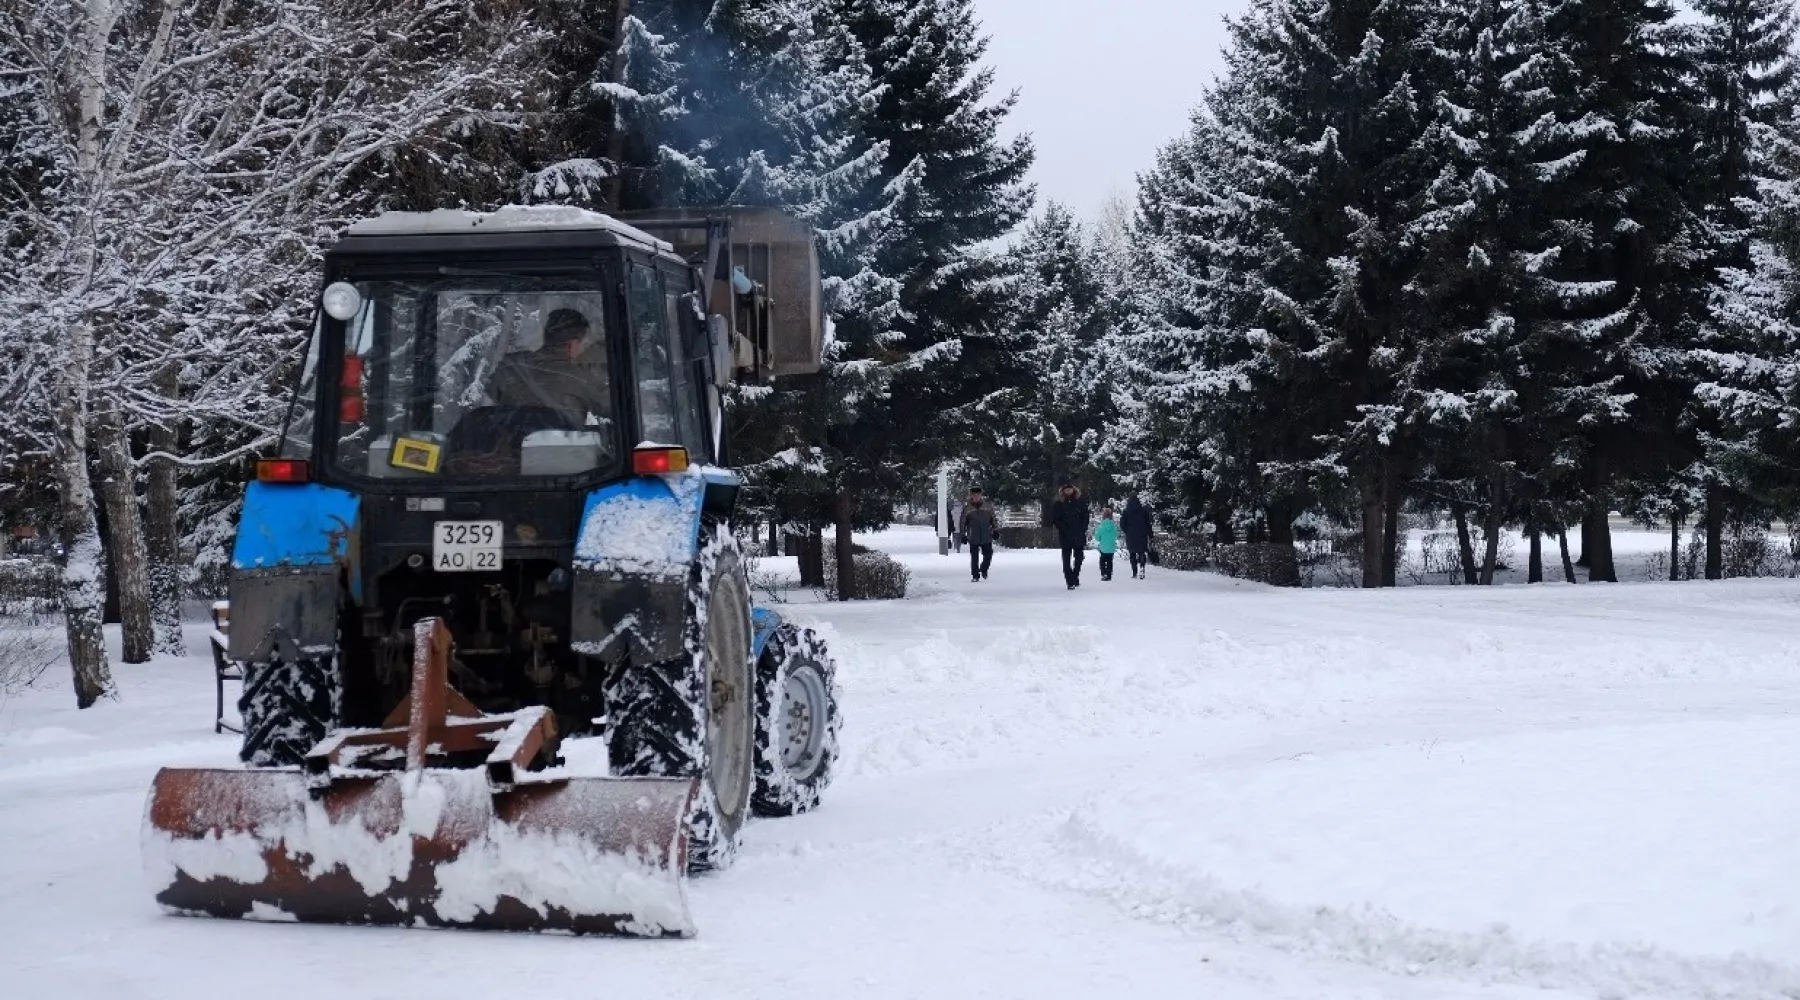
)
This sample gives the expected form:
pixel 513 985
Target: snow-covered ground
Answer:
pixel 1177 787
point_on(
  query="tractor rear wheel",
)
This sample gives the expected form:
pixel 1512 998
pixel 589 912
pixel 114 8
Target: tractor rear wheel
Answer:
pixel 796 722
pixel 289 703
pixel 692 716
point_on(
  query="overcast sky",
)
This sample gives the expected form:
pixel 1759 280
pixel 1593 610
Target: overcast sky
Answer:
pixel 1102 83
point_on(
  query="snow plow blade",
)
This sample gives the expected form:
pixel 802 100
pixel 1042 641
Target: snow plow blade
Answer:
pixel 585 855
pixel 464 836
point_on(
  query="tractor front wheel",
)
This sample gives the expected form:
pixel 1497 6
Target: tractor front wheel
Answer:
pixel 796 722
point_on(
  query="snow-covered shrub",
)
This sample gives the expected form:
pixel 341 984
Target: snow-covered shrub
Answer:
pixel 1022 537
pixel 30 637
pixel 878 576
pixel 765 584
pixel 1263 562
pixel 28 588
pixel 1746 550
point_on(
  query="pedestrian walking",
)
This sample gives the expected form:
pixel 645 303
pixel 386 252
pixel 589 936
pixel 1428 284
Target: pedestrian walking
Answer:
pixel 956 538
pixel 1106 540
pixel 979 526
pixel 1069 515
pixel 1134 523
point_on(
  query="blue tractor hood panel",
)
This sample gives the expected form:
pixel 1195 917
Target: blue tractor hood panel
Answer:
pixel 294 526
pixel 646 527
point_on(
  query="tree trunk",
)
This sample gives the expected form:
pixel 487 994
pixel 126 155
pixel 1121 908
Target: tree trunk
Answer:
pixel 1588 531
pixel 1371 533
pixel 162 526
pixel 1491 525
pixel 1390 526
pixel 774 538
pixel 1286 569
pixel 1534 572
pixel 84 569
pixel 812 559
pixel 1715 532
pixel 1223 531
pixel 615 136
pixel 1562 543
pixel 1674 547
pixel 129 553
pixel 846 552
pixel 1597 543
pixel 1465 549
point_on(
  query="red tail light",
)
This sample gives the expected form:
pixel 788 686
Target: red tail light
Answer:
pixel 350 390
pixel 659 461
pixel 283 470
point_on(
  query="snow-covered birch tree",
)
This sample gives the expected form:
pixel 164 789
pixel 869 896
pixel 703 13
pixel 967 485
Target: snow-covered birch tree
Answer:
pixel 173 168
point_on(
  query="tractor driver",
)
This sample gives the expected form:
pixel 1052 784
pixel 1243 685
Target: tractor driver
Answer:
pixel 556 376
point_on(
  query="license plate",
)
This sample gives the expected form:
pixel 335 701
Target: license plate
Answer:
pixel 466 546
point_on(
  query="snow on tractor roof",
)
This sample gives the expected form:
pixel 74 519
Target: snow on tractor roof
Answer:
pixel 508 219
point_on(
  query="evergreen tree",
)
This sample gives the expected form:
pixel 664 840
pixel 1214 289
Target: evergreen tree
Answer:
pixel 1479 386
pixel 1633 266
pixel 1745 68
pixel 1329 121
pixel 1750 386
pixel 1052 430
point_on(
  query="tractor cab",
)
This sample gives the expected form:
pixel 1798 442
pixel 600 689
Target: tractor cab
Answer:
pixel 542 348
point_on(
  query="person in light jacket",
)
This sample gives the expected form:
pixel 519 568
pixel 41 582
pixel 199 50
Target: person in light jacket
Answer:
pixel 1135 525
pixel 1106 539
pixel 979 526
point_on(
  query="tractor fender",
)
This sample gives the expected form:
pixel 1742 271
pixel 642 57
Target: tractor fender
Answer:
pixel 634 556
pixel 763 623
pixel 293 544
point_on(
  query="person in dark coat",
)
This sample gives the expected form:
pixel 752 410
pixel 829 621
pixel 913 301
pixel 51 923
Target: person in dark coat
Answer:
pixel 979 526
pixel 1069 516
pixel 1134 524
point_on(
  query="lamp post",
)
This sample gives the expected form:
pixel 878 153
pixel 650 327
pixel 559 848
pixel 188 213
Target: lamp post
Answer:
pixel 943 524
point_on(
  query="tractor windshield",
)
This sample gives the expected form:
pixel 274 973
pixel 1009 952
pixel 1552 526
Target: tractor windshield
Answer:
pixel 476 378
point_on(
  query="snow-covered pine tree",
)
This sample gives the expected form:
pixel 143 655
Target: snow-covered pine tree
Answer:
pixel 1333 125
pixel 1751 361
pixel 1745 61
pixel 936 113
pixel 1192 369
pixel 1052 428
pixel 1634 264
pixel 1478 385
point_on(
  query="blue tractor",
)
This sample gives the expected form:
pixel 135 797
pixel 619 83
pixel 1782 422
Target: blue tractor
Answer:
pixel 510 426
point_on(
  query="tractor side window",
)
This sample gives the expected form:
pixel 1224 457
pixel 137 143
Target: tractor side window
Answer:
pixel 297 429
pixel 650 356
pixel 681 328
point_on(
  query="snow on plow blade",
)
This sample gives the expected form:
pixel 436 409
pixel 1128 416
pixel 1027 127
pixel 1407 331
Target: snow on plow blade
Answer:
pixel 464 836
pixel 585 855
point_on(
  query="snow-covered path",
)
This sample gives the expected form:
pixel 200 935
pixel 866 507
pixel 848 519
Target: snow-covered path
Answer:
pixel 1176 787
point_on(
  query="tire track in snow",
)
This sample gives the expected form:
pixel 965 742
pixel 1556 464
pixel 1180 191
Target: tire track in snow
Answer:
pixel 1070 851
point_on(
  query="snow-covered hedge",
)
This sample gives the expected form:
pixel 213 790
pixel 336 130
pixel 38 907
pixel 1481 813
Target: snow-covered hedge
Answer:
pixel 878 576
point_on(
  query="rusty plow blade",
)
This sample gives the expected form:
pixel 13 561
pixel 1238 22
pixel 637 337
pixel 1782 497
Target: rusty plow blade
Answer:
pixel 585 855
pixel 434 846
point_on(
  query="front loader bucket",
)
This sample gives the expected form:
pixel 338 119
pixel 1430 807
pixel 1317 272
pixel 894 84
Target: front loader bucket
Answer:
pixel 435 847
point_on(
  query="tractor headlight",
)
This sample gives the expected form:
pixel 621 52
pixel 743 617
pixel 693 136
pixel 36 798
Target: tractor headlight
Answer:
pixel 341 301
